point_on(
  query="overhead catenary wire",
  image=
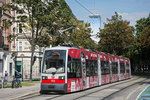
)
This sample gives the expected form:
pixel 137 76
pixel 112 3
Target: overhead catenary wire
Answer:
pixel 84 7
pixel 89 10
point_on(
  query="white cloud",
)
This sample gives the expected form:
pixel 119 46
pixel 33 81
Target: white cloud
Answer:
pixel 133 17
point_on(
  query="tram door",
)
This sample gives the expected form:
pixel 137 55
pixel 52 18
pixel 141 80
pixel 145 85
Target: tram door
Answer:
pixel 119 69
pixel 110 68
pixel 83 64
pixel 99 70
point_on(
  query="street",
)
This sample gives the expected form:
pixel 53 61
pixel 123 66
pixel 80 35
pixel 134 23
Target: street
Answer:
pixel 123 90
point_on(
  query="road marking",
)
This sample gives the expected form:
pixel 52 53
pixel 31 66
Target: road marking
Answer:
pixel 140 87
pixel 142 92
pixel 127 98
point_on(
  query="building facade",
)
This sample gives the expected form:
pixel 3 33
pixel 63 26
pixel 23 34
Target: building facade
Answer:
pixel 6 60
pixel 21 51
pixel 22 54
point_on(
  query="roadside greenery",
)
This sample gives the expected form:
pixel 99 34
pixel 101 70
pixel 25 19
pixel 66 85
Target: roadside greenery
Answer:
pixel 143 44
pixel 117 36
pixel 25 83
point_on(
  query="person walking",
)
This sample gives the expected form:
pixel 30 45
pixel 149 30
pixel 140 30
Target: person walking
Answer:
pixel 18 76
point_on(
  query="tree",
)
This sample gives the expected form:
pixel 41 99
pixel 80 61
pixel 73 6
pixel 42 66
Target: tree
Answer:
pixel 40 20
pixel 143 42
pixel 143 37
pixel 117 36
pixel 141 24
pixel 81 36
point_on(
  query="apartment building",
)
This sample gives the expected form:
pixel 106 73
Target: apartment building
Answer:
pixel 21 51
pixel 6 60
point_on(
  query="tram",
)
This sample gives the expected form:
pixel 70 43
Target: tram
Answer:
pixel 69 69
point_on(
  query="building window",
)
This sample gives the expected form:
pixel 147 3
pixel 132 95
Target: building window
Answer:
pixel 20 46
pixel 1 66
pixel 4 1
pixel 10 69
pixel 20 28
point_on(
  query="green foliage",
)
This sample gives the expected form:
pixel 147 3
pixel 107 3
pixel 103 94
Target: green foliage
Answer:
pixel 143 41
pixel 40 20
pixel 117 36
pixel 145 37
pixel 40 17
pixel 141 24
pixel 81 36
pixel 11 37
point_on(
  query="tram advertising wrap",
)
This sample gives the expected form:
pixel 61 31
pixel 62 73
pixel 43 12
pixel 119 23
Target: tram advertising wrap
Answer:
pixel 70 69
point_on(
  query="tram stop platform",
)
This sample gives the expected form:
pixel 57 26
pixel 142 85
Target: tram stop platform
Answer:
pixel 145 95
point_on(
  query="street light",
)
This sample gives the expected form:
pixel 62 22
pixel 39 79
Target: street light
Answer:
pixel 22 55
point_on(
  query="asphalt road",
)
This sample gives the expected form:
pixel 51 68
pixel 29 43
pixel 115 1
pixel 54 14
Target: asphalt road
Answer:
pixel 123 90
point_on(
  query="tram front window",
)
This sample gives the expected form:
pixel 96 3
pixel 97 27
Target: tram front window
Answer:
pixel 54 61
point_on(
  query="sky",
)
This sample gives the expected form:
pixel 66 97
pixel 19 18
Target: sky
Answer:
pixel 131 10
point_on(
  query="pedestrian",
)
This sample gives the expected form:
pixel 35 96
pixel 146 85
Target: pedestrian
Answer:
pixel 18 76
pixel 6 78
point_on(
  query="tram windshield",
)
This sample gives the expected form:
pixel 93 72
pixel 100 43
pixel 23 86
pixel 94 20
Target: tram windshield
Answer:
pixel 54 61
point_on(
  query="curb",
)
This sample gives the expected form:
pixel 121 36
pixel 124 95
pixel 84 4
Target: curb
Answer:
pixel 24 95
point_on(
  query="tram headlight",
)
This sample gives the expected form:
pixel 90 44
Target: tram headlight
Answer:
pixel 44 78
pixel 61 77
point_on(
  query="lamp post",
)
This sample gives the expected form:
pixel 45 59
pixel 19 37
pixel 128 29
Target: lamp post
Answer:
pixel 22 55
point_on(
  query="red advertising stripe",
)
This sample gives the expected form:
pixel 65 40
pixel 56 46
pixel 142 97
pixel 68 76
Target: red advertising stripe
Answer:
pixel 74 53
pixel 53 81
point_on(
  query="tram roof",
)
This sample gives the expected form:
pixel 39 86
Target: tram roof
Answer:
pixel 61 48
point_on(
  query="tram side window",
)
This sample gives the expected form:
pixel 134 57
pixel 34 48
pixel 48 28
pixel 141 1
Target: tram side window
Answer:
pixel 91 67
pixel 95 68
pixel 105 67
pixel 127 68
pixel 122 68
pixel 74 68
pixel 114 68
pixel 88 69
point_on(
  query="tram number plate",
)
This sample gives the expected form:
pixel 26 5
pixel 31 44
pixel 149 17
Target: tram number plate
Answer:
pixel 51 86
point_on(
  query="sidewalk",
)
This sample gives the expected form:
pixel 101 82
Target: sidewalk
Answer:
pixel 12 93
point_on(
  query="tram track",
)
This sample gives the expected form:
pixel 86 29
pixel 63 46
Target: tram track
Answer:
pixel 106 98
pixel 84 93
pixel 107 88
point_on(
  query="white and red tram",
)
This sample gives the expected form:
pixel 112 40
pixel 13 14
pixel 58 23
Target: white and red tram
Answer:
pixel 69 69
